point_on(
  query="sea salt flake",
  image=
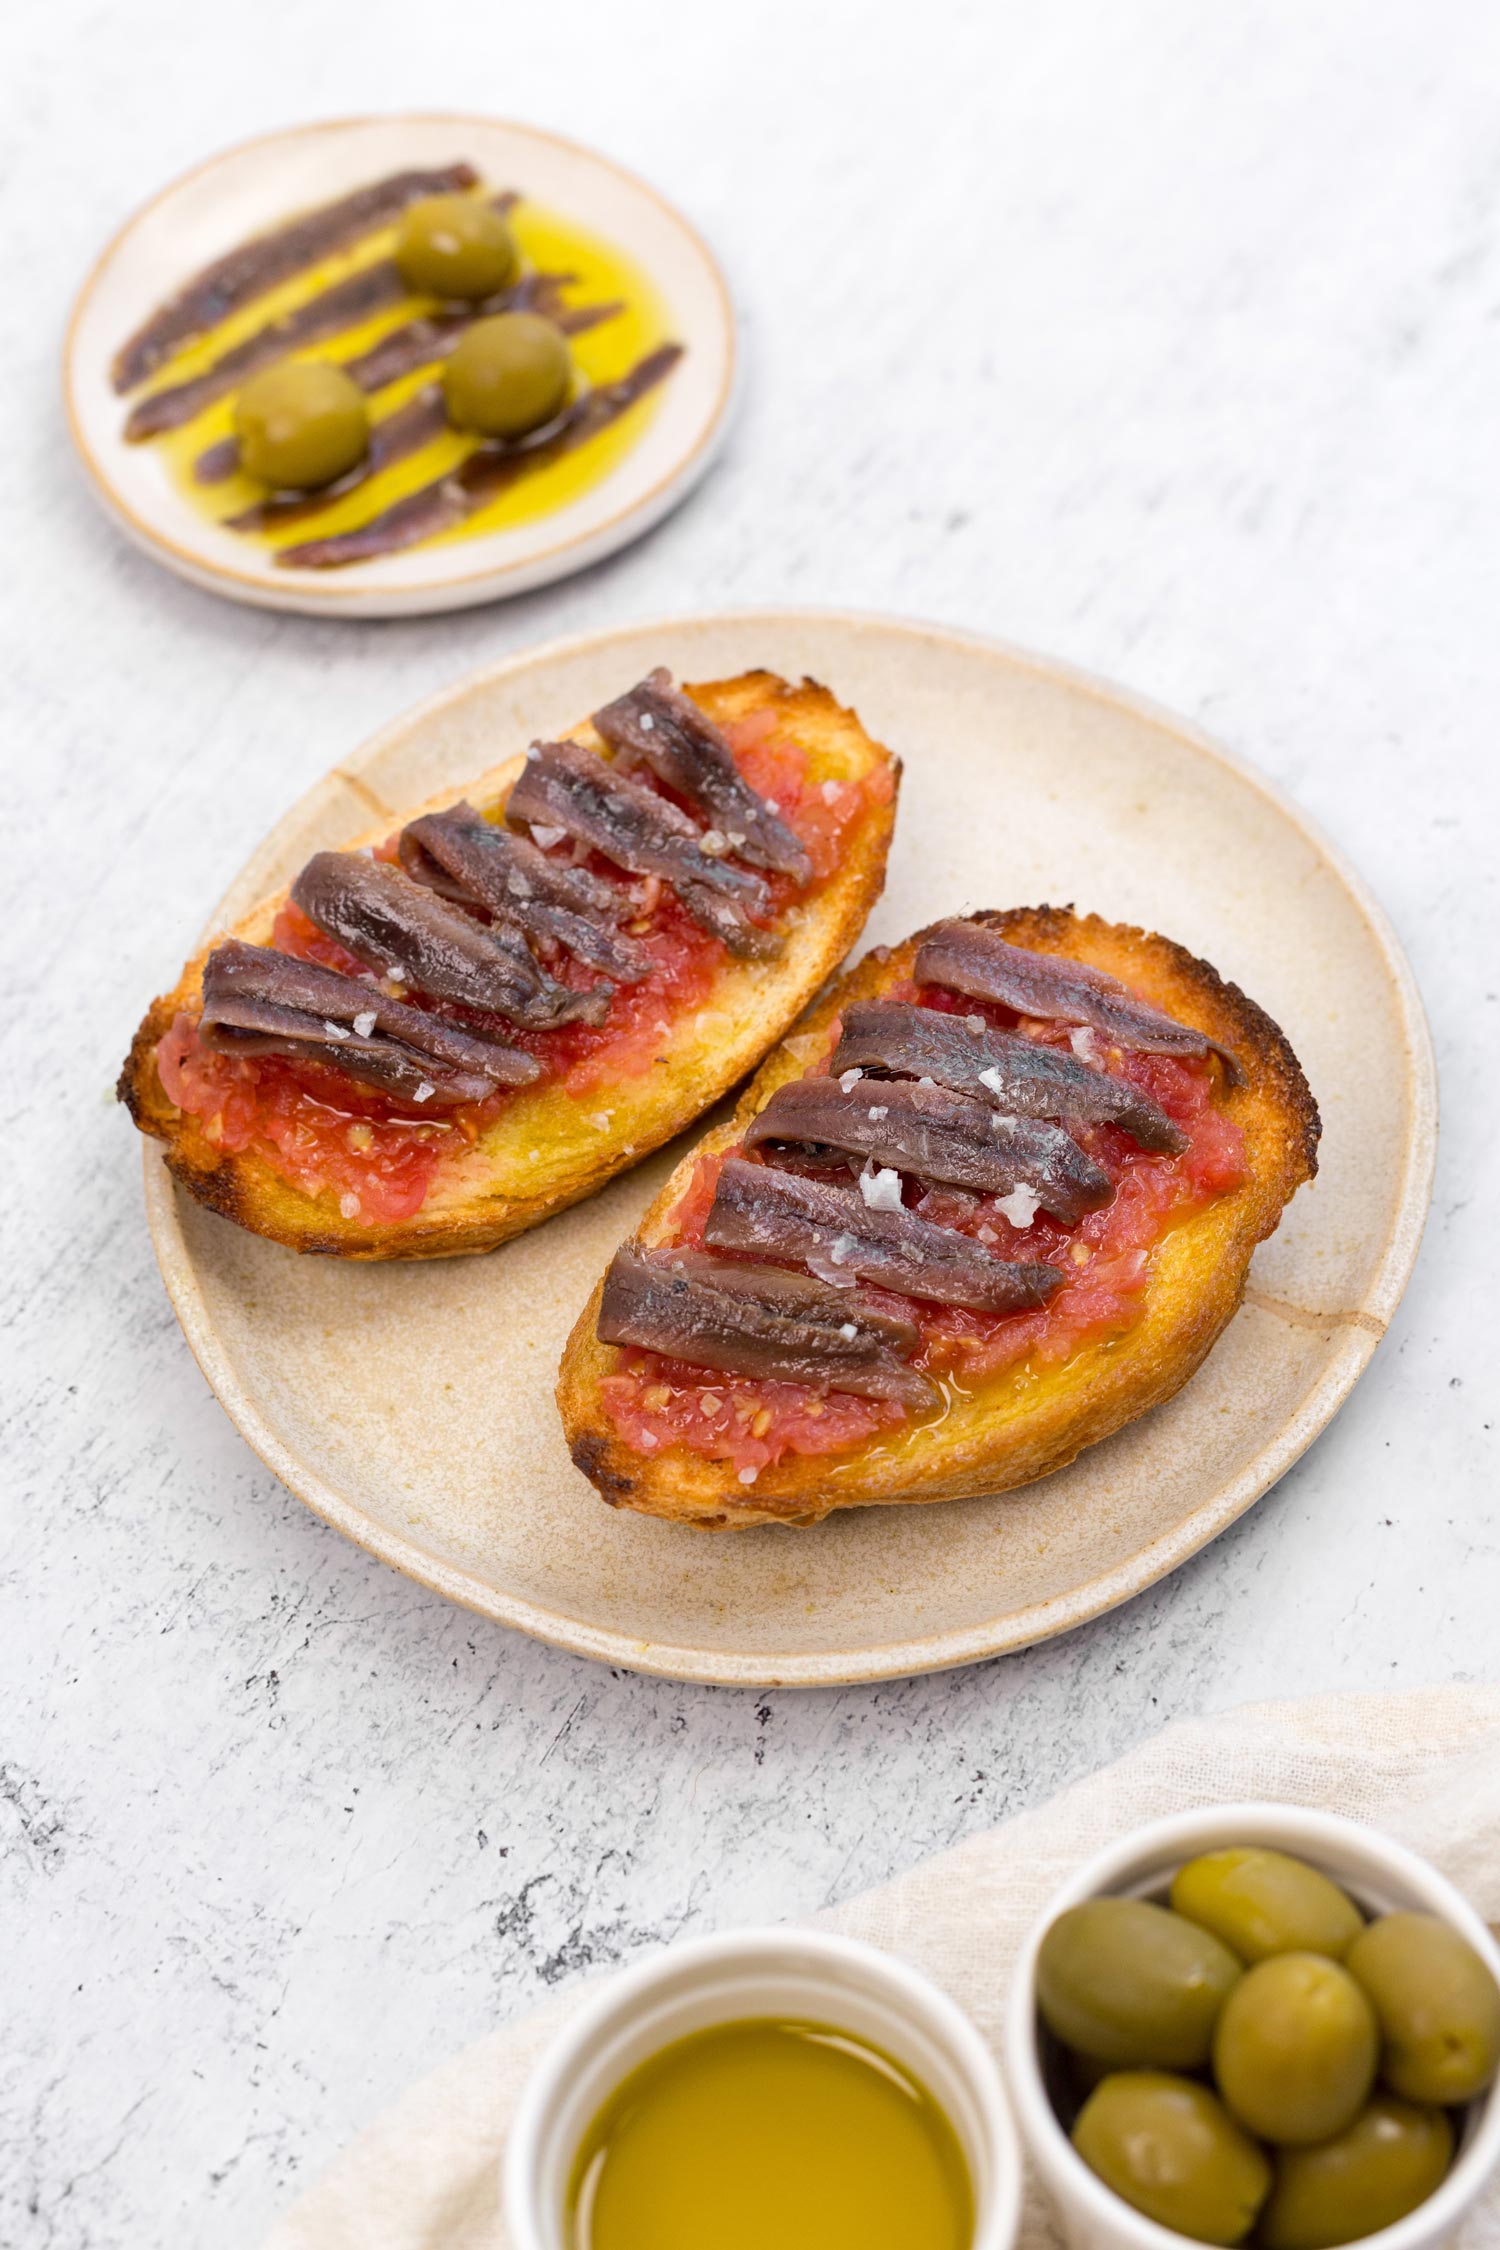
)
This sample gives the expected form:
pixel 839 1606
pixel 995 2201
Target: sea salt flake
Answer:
pixel 348 1206
pixel 648 724
pixel 877 1114
pixel 881 1190
pixel 714 842
pixel 976 1023
pixel 600 1119
pixel 772 806
pixel 335 1030
pixel 364 1023
pixel 1082 1043
pixel 547 837
pixel 849 1080
pixel 842 1249
pixel 748 1476
pixel 993 1080
pixel 1020 1206
pixel 848 1331
pixel 425 1091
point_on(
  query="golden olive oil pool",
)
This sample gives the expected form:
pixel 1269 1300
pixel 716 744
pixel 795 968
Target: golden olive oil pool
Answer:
pixel 770 2135
pixel 598 273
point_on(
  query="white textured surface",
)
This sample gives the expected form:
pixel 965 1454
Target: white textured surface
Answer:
pixel 1161 336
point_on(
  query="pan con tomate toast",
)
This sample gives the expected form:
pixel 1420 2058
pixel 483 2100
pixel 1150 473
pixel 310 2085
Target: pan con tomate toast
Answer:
pixel 438 1038
pixel 996 1197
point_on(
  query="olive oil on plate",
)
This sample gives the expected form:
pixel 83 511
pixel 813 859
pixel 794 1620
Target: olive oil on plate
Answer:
pixel 598 274
pixel 770 2135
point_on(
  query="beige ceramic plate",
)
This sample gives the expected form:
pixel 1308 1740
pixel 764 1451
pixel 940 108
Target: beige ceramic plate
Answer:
pixel 412 1405
pixel 260 182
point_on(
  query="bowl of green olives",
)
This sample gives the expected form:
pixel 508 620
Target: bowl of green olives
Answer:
pixel 1258 2025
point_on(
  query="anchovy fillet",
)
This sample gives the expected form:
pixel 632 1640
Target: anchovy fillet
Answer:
pixel 409 933
pixel 254 267
pixel 479 477
pixel 938 1136
pixel 256 1001
pixel 655 723
pixel 968 957
pixel 401 351
pixel 469 859
pixel 758 1321
pixel 781 1215
pixel 563 786
pixel 1012 1074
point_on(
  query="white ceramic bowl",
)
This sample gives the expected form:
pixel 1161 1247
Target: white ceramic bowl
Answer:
pixel 747 1973
pixel 1380 1875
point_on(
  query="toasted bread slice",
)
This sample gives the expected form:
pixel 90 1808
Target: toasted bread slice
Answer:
pixel 550 1146
pixel 1028 1419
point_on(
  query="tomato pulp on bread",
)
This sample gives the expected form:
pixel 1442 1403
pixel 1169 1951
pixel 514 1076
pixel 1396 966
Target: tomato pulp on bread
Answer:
pixel 655 1402
pixel 374 1156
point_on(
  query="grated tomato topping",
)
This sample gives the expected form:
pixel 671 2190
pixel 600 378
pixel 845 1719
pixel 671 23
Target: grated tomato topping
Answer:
pixel 327 1136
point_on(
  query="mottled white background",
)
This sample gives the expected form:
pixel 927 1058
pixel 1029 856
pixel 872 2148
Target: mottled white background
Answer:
pixel 1161 335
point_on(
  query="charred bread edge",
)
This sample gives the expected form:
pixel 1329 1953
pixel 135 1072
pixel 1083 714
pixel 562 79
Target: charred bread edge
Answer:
pixel 1064 1410
pixel 246 1189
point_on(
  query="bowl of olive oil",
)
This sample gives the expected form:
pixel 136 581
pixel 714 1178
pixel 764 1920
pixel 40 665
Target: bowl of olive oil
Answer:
pixel 766 2087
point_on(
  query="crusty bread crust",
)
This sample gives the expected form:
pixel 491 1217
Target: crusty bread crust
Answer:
pixel 1025 1422
pixel 544 1152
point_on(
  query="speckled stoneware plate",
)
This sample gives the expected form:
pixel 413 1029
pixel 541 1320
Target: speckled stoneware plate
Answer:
pixel 412 1405
pixel 247 189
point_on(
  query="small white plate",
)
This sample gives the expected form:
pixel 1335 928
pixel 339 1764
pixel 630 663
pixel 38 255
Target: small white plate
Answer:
pixel 261 182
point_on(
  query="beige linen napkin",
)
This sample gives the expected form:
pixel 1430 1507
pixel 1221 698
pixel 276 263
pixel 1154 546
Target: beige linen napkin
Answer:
pixel 1423 1767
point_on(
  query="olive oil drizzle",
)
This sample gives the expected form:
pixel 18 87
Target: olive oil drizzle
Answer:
pixel 422 480
pixel 253 268
pixel 446 503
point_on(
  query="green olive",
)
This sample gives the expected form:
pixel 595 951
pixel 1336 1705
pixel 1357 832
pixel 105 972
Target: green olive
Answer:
pixel 301 424
pixel 1438 2005
pixel 507 375
pixel 1379 2168
pixel 1127 1982
pixel 1173 2151
pixel 1263 1902
pixel 456 246
pixel 1296 2048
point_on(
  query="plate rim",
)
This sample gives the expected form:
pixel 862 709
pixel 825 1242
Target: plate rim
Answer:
pixel 334 596
pixel 1363 1326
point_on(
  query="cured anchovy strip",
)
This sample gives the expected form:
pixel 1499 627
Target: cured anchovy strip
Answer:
pixel 419 343
pixel 781 1215
pixel 353 299
pixel 483 474
pixel 683 747
pixel 571 789
pixel 758 1321
pixel 243 274
pixel 465 857
pixel 967 957
pixel 406 431
pixel 1013 1074
pixel 258 1002
pixel 422 418
pixel 410 934
pixel 937 1135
